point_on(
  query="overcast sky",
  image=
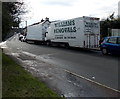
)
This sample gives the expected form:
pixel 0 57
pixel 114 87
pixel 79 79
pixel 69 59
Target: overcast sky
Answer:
pixel 67 9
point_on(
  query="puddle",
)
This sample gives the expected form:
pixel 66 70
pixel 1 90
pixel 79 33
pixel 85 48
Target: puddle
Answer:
pixel 30 63
pixel 29 54
pixel 69 95
pixel 15 54
pixel 3 45
pixel 26 57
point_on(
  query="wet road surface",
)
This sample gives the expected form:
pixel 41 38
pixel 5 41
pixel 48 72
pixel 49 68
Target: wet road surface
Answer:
pixel 50 64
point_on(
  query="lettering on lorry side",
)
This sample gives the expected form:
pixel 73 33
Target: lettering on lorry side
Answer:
pixel 89 24
pixel 65 30
pixel 65 27
pixel 65 23
pixel 64 37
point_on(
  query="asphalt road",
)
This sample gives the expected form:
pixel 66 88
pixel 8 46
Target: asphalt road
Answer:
pixel 90 64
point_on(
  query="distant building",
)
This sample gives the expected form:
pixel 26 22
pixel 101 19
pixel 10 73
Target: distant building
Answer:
pixel 119 9
pixel 115 32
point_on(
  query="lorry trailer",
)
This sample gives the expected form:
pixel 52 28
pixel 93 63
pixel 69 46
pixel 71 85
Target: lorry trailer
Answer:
pixel 36 32
pixel 83 32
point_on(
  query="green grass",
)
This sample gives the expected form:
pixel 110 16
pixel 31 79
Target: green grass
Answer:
pixel 19 83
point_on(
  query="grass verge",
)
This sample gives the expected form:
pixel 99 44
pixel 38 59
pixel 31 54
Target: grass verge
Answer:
pixel 19 83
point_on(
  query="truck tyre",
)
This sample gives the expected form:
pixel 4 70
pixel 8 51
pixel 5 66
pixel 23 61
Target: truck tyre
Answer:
pixel 35 43
pixel 104 51
pixel 27 41
pixel 48 43
pixel 67 45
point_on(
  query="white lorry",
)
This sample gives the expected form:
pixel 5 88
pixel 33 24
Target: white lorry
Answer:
pixel 37 31
pixel 81 32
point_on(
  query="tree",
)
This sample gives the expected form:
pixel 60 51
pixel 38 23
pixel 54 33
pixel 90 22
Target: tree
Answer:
pixel 110 23
pixel 11 12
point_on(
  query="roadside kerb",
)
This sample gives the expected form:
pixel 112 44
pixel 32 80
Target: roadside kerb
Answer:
pixel 92 81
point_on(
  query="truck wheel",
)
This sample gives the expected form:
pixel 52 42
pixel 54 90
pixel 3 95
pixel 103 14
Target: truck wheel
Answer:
pixel 48 43
pixel 104 51
pixel 27 41
pixel 67 45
